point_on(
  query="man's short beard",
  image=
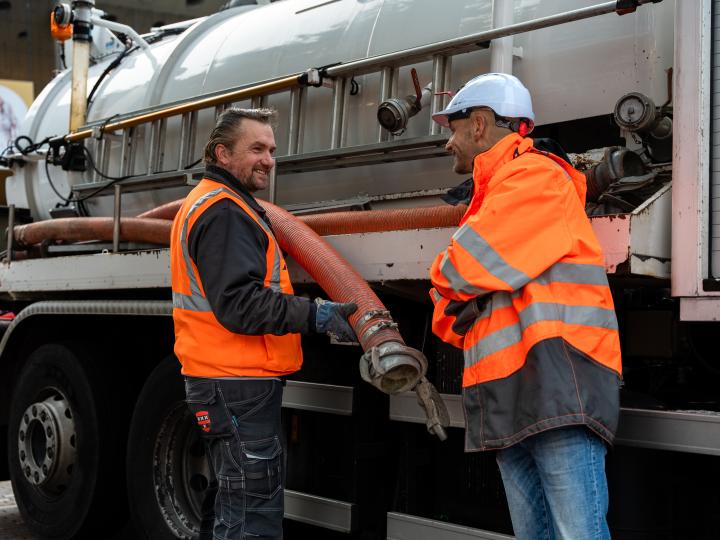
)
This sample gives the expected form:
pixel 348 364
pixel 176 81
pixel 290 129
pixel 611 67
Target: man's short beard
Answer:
pixel 462 168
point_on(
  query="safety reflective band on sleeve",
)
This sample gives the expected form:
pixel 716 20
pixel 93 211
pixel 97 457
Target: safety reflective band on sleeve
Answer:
pixel 275 276
pixel 196 301
pixel 436 296
pixel 540 311
pixel 502 299
pixel 456 281
pixel 579 274
pixel 490 259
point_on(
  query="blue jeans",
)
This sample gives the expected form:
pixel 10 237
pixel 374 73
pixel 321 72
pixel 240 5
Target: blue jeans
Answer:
pixel 239 421
pixel 555 485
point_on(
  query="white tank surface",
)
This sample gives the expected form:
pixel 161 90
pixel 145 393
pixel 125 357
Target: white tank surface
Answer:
pixel 574 71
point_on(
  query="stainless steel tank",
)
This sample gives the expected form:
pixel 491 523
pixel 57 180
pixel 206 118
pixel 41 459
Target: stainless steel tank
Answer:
pixel 573 71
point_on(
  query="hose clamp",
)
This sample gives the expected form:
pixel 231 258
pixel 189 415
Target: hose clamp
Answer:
pixel 375 328
pixel 372 314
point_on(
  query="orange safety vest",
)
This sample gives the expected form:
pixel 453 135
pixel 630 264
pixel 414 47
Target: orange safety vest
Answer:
pixel 522 290
pixel 204 347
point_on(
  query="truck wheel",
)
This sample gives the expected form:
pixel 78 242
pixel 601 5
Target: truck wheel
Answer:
pixel 166 466
pixel 62 460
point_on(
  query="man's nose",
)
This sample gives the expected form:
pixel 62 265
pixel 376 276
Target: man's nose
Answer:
pixel 268 161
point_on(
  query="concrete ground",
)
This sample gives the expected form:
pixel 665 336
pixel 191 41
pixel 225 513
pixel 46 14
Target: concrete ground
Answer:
pixel 13 528
pixel 11 524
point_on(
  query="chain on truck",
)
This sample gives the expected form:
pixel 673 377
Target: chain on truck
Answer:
pixel 92 420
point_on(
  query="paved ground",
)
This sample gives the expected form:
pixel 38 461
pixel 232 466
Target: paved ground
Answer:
pixel 13 528
pixel 11 524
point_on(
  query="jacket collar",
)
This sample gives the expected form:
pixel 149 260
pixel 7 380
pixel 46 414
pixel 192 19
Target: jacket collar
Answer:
pixel 486 165
pixel 223 176
pixel 506 149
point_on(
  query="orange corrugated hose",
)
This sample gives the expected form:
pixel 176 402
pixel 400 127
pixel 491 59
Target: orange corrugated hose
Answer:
pixel 333 273
pixel 395 219
pixel 145 230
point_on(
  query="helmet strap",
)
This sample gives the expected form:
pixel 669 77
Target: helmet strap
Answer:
pixel 521 126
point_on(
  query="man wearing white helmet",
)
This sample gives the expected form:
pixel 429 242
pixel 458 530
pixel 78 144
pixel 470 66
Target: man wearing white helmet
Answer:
pixel 522 290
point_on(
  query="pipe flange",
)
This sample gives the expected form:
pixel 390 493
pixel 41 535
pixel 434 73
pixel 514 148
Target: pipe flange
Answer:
pixel 393 367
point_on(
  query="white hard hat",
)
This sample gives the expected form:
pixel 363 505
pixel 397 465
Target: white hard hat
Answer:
pixel 503 93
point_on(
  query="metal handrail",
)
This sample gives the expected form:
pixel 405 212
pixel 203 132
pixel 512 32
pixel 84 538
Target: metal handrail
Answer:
pixel 190 106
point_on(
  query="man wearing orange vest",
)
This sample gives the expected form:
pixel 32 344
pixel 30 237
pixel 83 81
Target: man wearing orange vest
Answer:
pixel 238 326
pixel 522 290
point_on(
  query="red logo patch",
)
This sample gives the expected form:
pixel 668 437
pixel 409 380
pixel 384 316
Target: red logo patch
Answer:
pixel 203 420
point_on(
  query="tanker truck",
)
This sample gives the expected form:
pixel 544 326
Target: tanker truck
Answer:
pixel 92 420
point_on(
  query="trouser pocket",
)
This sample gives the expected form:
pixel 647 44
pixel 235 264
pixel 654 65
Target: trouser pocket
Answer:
pixel 208 410
pixel 251 490
pixel 262 467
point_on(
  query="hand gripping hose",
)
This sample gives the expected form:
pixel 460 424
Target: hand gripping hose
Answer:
pixel 387 363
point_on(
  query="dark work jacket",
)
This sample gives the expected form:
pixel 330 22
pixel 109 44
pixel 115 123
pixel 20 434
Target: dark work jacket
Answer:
pixel 229 251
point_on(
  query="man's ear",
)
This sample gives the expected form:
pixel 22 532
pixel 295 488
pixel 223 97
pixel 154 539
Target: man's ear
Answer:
pixel 478 125
pixel 222 154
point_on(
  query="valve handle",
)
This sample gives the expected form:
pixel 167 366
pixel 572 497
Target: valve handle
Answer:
pixel 418 90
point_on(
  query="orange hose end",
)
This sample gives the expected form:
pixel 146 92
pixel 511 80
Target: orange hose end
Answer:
pixel 60 32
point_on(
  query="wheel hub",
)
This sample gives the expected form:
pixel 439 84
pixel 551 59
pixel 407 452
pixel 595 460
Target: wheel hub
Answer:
pixel 46 443
pixel 181 473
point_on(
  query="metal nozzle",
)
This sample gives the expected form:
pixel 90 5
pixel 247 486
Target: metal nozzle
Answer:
pixel 393 114
pixel 393 367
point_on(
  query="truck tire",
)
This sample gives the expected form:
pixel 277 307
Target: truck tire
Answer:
pixel 167 473
pixel 63 445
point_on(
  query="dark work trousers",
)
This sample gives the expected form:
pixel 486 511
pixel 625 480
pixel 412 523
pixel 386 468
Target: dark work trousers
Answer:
pixel 240 425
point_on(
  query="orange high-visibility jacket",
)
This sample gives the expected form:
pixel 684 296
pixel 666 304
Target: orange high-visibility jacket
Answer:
pixel 522 290
pixel 204 347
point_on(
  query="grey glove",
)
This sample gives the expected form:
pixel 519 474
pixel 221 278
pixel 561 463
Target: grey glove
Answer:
pixel 331 319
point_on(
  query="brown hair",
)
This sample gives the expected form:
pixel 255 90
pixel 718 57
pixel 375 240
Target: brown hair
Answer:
pixel 227 128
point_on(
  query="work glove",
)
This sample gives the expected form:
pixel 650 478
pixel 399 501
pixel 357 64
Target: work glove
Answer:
pixel 331 318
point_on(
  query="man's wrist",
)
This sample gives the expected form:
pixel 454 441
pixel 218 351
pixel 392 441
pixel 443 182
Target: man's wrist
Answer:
pixel 312 317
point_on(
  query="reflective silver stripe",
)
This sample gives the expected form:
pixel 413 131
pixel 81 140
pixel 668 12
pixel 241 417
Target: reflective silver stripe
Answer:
pixel 584 315
pixel 490 259
pixel 577 274
pixel 498 300
pixel 275 275
pixel 456 281
pixel 580 274
pixel 501 299
pixel 191 303
pixel 540 311
pixel 436 296
pixel 497 341
pixel 196 297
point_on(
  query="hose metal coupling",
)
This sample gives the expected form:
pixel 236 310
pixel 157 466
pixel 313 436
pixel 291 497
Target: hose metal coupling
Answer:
pixel 393 367
pixel 436 413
